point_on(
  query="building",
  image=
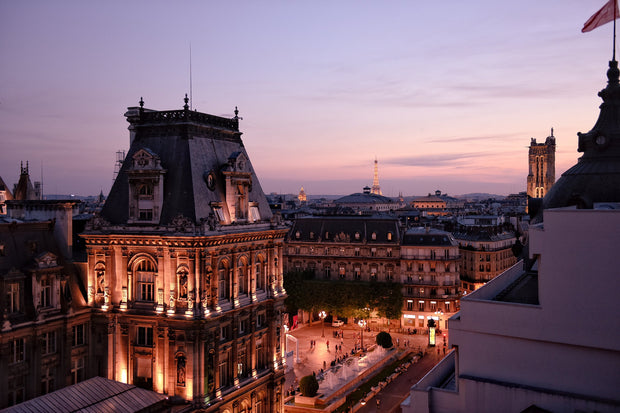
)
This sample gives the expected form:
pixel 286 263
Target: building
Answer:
pixel 365 203
pixel 5 195
pixel 47 339
pixel 353 248
pixel 430 205
pixel 430 264
pixel 485 253
pixel 548 327
pixel 302 198
pixel 184 267
pixel 541 161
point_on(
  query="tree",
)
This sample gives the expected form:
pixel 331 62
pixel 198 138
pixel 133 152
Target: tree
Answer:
pixel 308 385
pixel 384 339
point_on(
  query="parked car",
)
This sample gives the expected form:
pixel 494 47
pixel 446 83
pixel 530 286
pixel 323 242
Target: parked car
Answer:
pixel 337 323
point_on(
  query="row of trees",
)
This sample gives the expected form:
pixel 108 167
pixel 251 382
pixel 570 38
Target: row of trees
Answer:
pixel 344 298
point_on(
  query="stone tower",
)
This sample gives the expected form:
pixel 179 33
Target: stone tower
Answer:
pixel 541 160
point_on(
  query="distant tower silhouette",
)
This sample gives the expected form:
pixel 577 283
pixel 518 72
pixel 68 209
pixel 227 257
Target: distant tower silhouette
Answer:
pixel 541 174
pixel 376 189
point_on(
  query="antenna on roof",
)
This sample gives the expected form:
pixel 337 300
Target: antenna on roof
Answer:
pixel 190 76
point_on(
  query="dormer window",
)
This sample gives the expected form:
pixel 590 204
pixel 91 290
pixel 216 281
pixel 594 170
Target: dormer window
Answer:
pixel 389 236
pixel 297 235
pixel 373 236
pixel 146 187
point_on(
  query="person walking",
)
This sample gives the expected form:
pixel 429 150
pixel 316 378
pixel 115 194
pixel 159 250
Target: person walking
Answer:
pixel 327 343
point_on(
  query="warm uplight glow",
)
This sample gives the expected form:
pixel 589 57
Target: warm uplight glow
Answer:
pixel 123 375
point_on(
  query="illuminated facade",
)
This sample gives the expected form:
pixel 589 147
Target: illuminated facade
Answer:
pixel 485 254
pixel 184 267
pixel 541 161
pixel 430 264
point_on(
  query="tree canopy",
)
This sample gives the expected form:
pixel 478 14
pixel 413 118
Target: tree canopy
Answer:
pixel 345 298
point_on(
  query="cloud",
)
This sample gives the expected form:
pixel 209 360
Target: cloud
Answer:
pixel 436 160
pixel 476 138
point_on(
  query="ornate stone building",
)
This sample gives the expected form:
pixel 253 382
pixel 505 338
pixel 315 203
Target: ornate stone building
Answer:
pixel 541 160
pixel 184 267
pixel 46 338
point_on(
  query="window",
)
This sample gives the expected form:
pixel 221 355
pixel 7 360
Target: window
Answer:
pixel 409 305
pixel 222 283
pixel 260 320
pixel 342 271
pixel 259 278
pixel 357 272
pixel 12 298
pixel 16 350
pixel 389 252
pixel 16 390
pixel 389 236
pixel 145 192
pixel 357 252
pixel 420 305
pixel 145 215
pixel 357 235
pixel 243 326
pixel 373 236
pixel 145 279
pixel 224 332
pixel 47 381
pixel 373 252
pixel 260 356
pixel 373 273
pixel 297 235
pixel 46 292
pixel 223 370
pixel 48 343
pixel 242 278
pixel 144 337
pixel 420 267
pixel 447 306
pixel 409 266
pixel 78 335
pixel 389 273
pixel 433 306
pixel 77 370
pixel 327 270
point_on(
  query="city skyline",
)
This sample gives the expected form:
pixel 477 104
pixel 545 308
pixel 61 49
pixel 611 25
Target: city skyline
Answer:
pixel 444 96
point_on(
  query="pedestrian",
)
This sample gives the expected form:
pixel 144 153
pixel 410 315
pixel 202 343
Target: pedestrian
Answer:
pixel 444 351
pixel 397 342
pixel 324 365
pixel 327 343
pixel 437 350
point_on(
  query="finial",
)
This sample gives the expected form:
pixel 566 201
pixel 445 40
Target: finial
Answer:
pixel 552 132
pixel 141 102
pixel 186 106
pixel 236 113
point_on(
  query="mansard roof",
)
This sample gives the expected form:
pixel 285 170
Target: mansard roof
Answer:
pixel 346 229
pixel 596 176
pixel 428 237
pixel 193 149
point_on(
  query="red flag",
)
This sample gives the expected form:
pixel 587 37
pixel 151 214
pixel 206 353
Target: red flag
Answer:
pixel 608 13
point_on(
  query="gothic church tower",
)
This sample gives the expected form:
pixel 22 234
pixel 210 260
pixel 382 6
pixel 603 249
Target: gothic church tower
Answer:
pixel 541 161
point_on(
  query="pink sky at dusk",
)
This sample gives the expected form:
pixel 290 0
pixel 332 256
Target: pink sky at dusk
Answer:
pixel 445 94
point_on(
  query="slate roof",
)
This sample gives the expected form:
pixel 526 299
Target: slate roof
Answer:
pixel 483 236
pixel 362 198
pixel 94 395
pixel 344 228
pixel 189 145
pixel 428 237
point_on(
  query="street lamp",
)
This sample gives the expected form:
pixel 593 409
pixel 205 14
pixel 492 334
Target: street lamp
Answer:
pixel 362 324
pixel 322 316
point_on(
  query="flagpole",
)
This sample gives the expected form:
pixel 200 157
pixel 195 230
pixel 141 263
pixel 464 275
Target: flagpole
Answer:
pixel 615 16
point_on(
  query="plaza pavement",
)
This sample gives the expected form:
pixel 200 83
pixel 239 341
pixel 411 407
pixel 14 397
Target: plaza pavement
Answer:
pixel 313 359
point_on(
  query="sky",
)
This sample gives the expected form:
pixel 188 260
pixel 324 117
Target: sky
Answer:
pixel 446 95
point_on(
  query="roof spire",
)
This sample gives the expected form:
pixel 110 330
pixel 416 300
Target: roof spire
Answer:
pixel 186 106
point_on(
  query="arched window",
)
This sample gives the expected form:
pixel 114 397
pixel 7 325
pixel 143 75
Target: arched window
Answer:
pixel 260 282
pixel 243 276
pixel 145 190
pixel 223 289
pixel 145 280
